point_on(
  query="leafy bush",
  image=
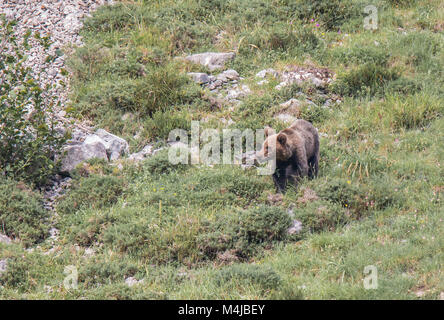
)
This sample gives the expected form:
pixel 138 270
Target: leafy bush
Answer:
pixel 159 89
pixel 422 49
pixel 95 191
pixel 161 123
pixel 86 228
pixel 362 54
pixel 360 200
pixel 330 13
pixel 113 18
pixel 245 231
pixel 28 138
pixel 368 79
pixel 402 3
pixel 415 111
pixel 16 275
pixel 122 291
pixel 280 37
pixel 322 216
pixel 249 274
pixel 21 212
pixel 160 164
pixel 287 292
pixel 98 272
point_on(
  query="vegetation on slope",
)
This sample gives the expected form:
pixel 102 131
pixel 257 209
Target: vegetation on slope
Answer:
pixel 201 232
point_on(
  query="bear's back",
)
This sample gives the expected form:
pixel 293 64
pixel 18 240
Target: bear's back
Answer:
pixel 306 132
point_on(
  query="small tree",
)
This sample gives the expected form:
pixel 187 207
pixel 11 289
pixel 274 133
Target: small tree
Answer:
pixel 28 139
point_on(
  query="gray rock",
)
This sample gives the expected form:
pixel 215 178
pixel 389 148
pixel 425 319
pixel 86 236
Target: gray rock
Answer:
pixel 262 82
pixel 199 77
pixel 236 93
pixel 131 281
pixel 317 82
pixel 263 73
pixel 285 117
pixel 228 75
pixel 114 145
pixel 4 239
pixel 3 266
pixel 291 103
pixel 139 156
pixel 296 227
pixel 212 60
pixel 77 153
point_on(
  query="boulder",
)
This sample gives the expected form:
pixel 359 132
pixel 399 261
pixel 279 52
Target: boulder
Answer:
pixel 286 118
pixel 263 73
pixel 296 227
pixel 77 153
pixel 4 239
pixel 199 77
pixel 212 60
pixel 228 75
pixel 139 156
pixel 114 145
pixel 3 266
pixel 236 93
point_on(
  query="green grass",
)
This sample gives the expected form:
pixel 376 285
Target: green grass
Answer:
pixel 198 232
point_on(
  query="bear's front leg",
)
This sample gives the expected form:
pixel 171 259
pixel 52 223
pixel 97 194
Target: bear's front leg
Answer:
pixel 280 180
pixel 293 175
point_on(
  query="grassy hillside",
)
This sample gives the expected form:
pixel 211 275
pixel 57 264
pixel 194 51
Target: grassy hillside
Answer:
pixel 198 232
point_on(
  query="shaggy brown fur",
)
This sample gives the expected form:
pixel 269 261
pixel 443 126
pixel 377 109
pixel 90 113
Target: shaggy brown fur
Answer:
pixel 297 153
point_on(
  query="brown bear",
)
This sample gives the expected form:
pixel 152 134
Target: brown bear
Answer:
pixel 297 153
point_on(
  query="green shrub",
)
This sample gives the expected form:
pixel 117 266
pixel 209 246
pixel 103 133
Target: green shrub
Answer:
pixel 281 37
pixel 368 79
pixel 264 224
pixel 22 215
pixel 87 61
pixel 161 123
pixel 414 111
pixel 122 291
pixel 98 272
pixel 421 48
pixel 113 18
pixel 245 231
pixel 17 274
pixel 332 14
pixel 249 274
pixel 287 292
pixel 360 200
pixel 403 86
pixel 360 54
pixel 87 228
pixel 126 237
pixel 161 88
pixel 322 216
pixel 402 3
pixel 28 138
pixel 95 191
pixel 159 164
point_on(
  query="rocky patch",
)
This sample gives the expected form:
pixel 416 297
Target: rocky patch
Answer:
pixel 211 60
pixel 101 145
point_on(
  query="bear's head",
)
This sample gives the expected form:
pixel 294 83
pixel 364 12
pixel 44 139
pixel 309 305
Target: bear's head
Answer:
pixel 274 143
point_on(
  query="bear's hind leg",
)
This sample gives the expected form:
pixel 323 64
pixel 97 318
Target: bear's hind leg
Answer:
pixel 313 165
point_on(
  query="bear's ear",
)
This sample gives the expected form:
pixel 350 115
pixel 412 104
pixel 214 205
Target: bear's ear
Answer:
pixel 268 131
pixel 282 138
